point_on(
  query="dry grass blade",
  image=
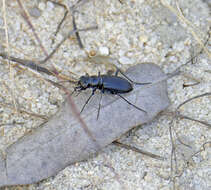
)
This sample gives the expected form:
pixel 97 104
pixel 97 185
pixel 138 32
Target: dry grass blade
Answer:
pixel 146 153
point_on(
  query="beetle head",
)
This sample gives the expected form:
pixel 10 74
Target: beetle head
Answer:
pixel 83 82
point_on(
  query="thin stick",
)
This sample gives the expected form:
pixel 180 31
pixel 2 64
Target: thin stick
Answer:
pixel 73 10
pixel 77 33
pixel 196 120
pixel 64 39
pixel 128 147
pixel 27 63
pixel 27 19
pixel 83 124
pixel 199 96
pixel 33 65
pixel 60 23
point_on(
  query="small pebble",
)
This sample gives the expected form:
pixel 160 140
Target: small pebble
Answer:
pixel 50 6
pixel 104 51
pixel 41 6
pixel 35 12
pixel 143 38
pixel 92 53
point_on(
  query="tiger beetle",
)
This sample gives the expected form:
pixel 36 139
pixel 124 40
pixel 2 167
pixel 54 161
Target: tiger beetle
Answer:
pixel 110 84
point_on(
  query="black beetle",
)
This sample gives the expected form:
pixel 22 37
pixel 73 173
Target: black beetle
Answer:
pixel 111 84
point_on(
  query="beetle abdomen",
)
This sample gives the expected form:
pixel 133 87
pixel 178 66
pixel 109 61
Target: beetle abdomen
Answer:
pixel 115 84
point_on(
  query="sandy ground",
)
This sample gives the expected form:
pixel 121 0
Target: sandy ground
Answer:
pixel 165 32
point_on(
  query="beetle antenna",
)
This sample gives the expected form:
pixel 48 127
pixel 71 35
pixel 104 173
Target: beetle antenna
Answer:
pixel 131 103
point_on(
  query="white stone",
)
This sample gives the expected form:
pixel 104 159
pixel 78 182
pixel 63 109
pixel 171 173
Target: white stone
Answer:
pixel 50 5
pixel 103 51
pixel 42 6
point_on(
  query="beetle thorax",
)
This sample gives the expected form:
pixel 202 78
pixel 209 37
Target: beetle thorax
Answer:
pixel 90 81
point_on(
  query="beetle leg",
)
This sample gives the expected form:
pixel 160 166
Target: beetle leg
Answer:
pixel 93 92
pixel 138 83
pixel 98 111
pixel 131 103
